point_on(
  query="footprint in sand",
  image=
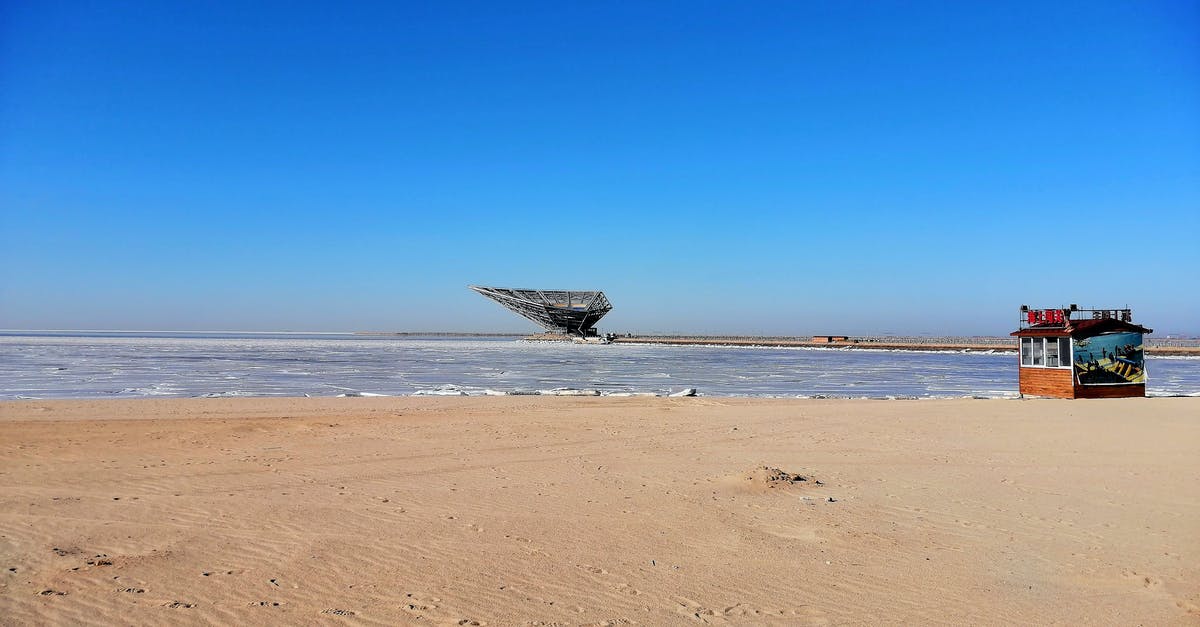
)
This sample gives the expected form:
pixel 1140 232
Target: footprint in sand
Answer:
pixel 418 602
pixel 179 604
pixel 693 609
pixel 1151 583
pixel 740 610
pixel 1187 606
pixel 100 560
pixel 336 612
pixel 628 589
pixel 1145 581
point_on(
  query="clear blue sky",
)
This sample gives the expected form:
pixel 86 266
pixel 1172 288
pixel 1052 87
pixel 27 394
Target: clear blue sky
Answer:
pixel 776 167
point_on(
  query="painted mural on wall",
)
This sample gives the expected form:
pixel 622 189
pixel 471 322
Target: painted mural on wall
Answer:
pixel 1109 359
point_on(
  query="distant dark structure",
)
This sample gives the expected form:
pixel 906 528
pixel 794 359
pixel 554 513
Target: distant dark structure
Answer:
pixel 1081 353
pixel 559 311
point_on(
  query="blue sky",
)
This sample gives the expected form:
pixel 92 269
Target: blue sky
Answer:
pixel 780 168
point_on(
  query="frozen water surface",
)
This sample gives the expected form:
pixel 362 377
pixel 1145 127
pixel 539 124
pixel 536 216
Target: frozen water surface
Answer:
pixel 184 365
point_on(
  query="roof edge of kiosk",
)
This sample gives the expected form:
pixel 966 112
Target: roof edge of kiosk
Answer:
pixel 570 312
pixel 1081 328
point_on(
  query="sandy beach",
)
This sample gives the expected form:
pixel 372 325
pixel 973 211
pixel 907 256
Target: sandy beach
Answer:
pixel 600 511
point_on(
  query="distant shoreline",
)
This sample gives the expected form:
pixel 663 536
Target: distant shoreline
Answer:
pixel 1159 347
pixel 884 344
pixel 435 334
pixel 970 344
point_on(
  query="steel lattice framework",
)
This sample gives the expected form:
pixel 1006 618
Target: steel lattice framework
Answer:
pixel 560 311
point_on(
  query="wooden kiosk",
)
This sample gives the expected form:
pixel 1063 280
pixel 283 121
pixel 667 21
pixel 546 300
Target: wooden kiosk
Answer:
pixel 1081 353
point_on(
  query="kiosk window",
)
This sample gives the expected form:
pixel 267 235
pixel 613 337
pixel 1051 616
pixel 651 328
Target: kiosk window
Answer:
pixel 1046 352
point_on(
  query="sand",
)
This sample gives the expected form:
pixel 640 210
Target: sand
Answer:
pixel 602 511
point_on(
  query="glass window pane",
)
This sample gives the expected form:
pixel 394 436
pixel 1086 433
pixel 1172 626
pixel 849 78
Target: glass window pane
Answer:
pixel 1026 351
pixel 1064 351
pixel 1037 352
pixel 1051 352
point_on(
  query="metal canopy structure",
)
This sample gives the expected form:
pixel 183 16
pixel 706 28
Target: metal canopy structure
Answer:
pixel 560 311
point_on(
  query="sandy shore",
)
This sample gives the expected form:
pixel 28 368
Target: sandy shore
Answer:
pixel 599 511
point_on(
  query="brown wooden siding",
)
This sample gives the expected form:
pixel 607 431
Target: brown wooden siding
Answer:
pixel 1051 382
pixel 1110 391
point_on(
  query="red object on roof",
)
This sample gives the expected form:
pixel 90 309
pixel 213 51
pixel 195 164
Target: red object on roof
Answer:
pixel 1081 328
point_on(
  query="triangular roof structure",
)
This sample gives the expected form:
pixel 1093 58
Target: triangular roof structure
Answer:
pixel 571 312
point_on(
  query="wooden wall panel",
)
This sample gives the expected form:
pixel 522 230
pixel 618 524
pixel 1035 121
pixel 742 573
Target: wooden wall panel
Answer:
pixel 1110 391
pixel 1050 382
